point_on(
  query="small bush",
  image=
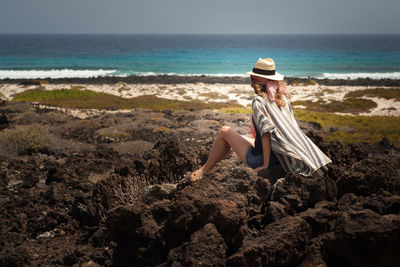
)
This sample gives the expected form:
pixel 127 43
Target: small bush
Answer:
pixel 162 129
pixel 95 178
pixel 295 83
pixel 214 95
pixel 26 139
pixel 59 145
pixel 86 124
pixel 309 82
pixel 110 134
pixel 41 82
pixel 236 110
pixel 132 147
pixel 28 117
pixel 78 87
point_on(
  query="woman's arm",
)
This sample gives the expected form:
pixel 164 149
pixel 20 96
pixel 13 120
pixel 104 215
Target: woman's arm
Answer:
pixel 266 144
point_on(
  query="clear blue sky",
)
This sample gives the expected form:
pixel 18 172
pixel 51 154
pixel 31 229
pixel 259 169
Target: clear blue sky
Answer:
pixel 200 16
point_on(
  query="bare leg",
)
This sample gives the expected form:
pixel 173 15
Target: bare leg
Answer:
pixel 226 139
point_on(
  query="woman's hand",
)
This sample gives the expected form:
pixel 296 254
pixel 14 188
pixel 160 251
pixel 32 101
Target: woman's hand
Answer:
pixel 260 168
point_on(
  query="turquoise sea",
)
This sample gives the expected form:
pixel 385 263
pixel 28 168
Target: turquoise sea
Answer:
pixel 86 55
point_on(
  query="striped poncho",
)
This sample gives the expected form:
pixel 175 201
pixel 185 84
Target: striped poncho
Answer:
pixel 295 151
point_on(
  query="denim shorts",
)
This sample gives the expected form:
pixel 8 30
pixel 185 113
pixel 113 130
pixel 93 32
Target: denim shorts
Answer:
pixel 258 160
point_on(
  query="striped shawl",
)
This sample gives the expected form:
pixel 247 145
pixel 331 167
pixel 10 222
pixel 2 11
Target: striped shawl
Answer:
pixel 295 151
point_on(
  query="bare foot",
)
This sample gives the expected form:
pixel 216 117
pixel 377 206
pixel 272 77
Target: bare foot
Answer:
pixel 196 175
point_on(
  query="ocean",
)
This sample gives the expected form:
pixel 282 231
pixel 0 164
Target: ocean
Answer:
pixel 91 55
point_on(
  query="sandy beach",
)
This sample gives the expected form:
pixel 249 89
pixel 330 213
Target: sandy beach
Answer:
pixel 239 92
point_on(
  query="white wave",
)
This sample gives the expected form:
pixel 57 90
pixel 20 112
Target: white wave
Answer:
pixel 64 73
pixel 185 74
pixel 353 76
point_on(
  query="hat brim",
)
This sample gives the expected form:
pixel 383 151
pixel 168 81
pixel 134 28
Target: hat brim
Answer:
pixel 275 77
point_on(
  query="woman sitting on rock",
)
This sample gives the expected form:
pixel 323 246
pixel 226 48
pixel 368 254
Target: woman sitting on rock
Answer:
pixel 278 141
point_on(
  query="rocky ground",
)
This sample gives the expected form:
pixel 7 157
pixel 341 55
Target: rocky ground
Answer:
pixel 109 190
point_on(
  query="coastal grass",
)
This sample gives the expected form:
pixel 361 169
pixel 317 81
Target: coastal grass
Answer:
pixel 86 99
pixel 348 105
pixel 346 128
pixel 386 93
pixel 354 129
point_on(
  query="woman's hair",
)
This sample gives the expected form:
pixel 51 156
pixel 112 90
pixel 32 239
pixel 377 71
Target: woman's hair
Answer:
pixel 260 88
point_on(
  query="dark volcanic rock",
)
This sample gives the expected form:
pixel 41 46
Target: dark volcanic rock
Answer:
pixel 26 82
pixel 86 214
pixel 369 176
pixel 3 121
pixel 205 248
pixel 89 202
pixel 137 235
pixel 298 193
pixel 372 239
pixel 274 211
pixel 168 160
pixel 17 257
pixel 282 243
pixel 320 219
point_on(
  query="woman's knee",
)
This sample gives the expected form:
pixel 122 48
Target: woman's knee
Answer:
pixel 224 129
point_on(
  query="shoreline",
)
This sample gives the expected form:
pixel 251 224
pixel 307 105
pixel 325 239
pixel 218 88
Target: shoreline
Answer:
pixel 176 79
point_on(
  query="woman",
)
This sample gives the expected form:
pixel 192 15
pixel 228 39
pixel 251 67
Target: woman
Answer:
pixel 278 138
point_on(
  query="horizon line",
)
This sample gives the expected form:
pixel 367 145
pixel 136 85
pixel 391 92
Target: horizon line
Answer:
pixel 105 33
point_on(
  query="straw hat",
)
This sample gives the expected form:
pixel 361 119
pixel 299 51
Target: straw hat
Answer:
pixel 265 68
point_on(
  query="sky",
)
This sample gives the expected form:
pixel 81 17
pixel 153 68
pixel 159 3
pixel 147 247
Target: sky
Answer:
pixel 201 16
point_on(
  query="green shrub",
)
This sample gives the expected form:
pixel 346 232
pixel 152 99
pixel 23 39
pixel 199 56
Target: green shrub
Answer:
pixel 237 110
pixel 162 129
pixel 42 81
pixel 25 139
pixel 214 95
pixel 28 117
pixel 295 83
pixel 387 93
pixel 112 134
pixel 309 82
pixel 89 124
pixel 78 87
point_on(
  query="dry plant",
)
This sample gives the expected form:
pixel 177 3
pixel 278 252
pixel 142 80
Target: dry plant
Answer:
pixel 132 147
pixel 130 190
pixel 95 178
pixel 25 139
pixel 60 145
